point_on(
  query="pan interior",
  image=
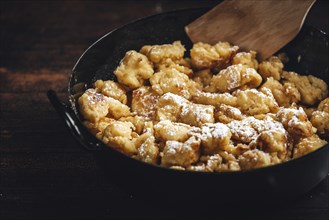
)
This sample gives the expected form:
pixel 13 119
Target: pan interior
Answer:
pixel 308 52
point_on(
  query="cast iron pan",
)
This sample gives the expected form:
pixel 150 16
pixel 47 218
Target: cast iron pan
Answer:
pixel 281 181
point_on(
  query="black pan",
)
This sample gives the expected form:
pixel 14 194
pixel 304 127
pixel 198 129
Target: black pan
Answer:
pixel 281 181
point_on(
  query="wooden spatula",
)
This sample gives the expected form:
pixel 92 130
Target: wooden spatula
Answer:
pixel 261 25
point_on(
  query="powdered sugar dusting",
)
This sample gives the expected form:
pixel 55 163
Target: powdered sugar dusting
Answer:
pixel 232 74
pixel 176 98
pixel 209 130
pixel 200 113
pixel 242 130
pixel 206 121
pixel 173 147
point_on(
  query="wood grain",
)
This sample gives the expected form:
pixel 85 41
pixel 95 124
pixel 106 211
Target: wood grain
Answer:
pixel 44 173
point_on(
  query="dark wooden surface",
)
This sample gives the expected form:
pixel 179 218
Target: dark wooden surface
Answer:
pixel 44 173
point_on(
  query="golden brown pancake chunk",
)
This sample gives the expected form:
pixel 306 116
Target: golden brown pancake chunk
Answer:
pixel 246 58
pixel 111 89
pixel 204 56
pixel 307 145
pixel 272 67
pixel 233 77
pixel 134 70
pixel 181 154
pixel 311 88
pixel 160 53
pixel 144 100
pixel 285 94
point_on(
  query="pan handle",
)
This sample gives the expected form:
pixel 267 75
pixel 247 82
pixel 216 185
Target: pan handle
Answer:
pixel 79 132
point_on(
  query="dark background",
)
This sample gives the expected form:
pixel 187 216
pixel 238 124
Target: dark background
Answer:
pixel 44 173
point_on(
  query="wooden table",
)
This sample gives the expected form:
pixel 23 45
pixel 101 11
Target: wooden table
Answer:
pixel 44 173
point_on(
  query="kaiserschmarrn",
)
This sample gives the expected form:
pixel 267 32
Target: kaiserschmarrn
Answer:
pixel 219 109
